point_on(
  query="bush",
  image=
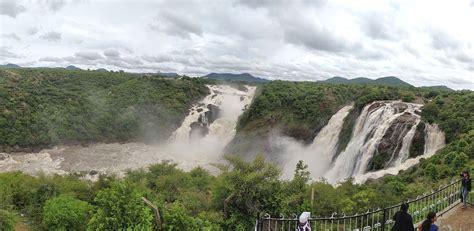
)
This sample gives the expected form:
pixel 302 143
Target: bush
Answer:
pixel 120 208
pixel 65 213
pixel 177 218
pixel 7 221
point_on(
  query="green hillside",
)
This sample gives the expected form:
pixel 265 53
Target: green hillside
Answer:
pixel 52 106
pixel 46 106
pixel 384 81
pixel 301 109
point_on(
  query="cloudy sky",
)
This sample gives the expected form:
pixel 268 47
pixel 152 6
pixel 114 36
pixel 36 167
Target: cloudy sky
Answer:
pixel 423 42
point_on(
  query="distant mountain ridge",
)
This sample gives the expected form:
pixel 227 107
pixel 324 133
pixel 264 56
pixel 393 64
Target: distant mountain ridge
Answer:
pixel 386 81
pixel 439 87
pixel 246 77
pixel 9 65
pixel 72 67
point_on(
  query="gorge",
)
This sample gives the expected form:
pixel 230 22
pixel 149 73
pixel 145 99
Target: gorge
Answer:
pixel 381 142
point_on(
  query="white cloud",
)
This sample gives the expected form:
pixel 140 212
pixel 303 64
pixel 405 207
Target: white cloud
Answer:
pixel 55 5
pixel 32 30
pixel 10 36
pixel 88 55
pixel 421 41
pixel 52 36
pixel 11 8
pixel 5 52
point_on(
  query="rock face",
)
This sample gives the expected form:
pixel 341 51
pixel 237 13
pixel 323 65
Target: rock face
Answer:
pixel 392 141
pixel 400 107
pixel 4 156
pixel 200 128
pixel 374 106
pixel 417 147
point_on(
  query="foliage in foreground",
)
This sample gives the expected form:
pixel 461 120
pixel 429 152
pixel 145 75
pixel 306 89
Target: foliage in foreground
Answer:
pixel 197 200
pixel 65 213
pixel 7 220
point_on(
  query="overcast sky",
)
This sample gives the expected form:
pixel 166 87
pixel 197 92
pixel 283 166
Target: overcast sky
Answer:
pixel 423 42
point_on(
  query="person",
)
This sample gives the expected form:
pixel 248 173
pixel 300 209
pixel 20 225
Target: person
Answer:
pixel 403 220
pixel 303 224
pixel 465 187
pixel 428 224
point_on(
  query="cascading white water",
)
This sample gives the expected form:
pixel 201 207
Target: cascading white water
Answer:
pixel 231 103
pixel 369 129
pixel 182 148
pixel 406 144
pixel 218 123
pixel 319 154
pixel 434 140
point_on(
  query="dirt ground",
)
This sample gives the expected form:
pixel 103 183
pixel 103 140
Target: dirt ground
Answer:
pixel 457 219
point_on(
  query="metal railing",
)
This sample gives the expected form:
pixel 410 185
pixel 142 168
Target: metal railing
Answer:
pixel 440 201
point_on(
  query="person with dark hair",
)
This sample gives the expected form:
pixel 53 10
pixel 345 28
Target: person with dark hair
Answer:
pixel 465 187
pixel 403 220
pixel 428 224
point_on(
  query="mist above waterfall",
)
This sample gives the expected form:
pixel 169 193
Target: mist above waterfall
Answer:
pixel 317 155
pixel 381 141
pixel 381 138
pixel 199 141
pixel 231 103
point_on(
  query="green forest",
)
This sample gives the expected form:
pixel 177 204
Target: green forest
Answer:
pixel 42 107
pixel 45 107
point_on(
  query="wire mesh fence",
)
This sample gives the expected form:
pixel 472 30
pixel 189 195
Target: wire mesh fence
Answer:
pixel 440 201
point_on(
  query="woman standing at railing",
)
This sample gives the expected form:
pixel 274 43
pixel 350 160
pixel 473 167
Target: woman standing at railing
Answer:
pixel 428 224
pixel 465 187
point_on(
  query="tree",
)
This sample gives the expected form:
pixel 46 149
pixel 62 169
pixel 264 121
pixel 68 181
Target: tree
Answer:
pixel 245 189
pixel 176 218
pixel 296 190
pixel 120 208
pixel 460 160
pixel 7 221
pixel 65 213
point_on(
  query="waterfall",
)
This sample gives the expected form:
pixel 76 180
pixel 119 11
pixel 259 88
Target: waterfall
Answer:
pixel 229 103
pixel 319 154
pixel 407 140
pixel 385 121
pixel 324 145
pixel 199 141
pixel 434 140
pixel 214 118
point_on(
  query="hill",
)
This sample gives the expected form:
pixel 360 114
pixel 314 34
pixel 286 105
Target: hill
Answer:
pixel 384 81
pixel 57 106
pixel 46 105
pixel 245 77
pixel 440 87
pixel 168 74
pixel 72 67
pixel 10 65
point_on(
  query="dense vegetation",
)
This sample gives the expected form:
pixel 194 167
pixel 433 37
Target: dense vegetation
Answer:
pixel 301 109
pixel 40 107
pixel 197 200
pixel 384 81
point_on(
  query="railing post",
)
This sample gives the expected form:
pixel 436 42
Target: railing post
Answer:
pixel 384 218
pixel 257 223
